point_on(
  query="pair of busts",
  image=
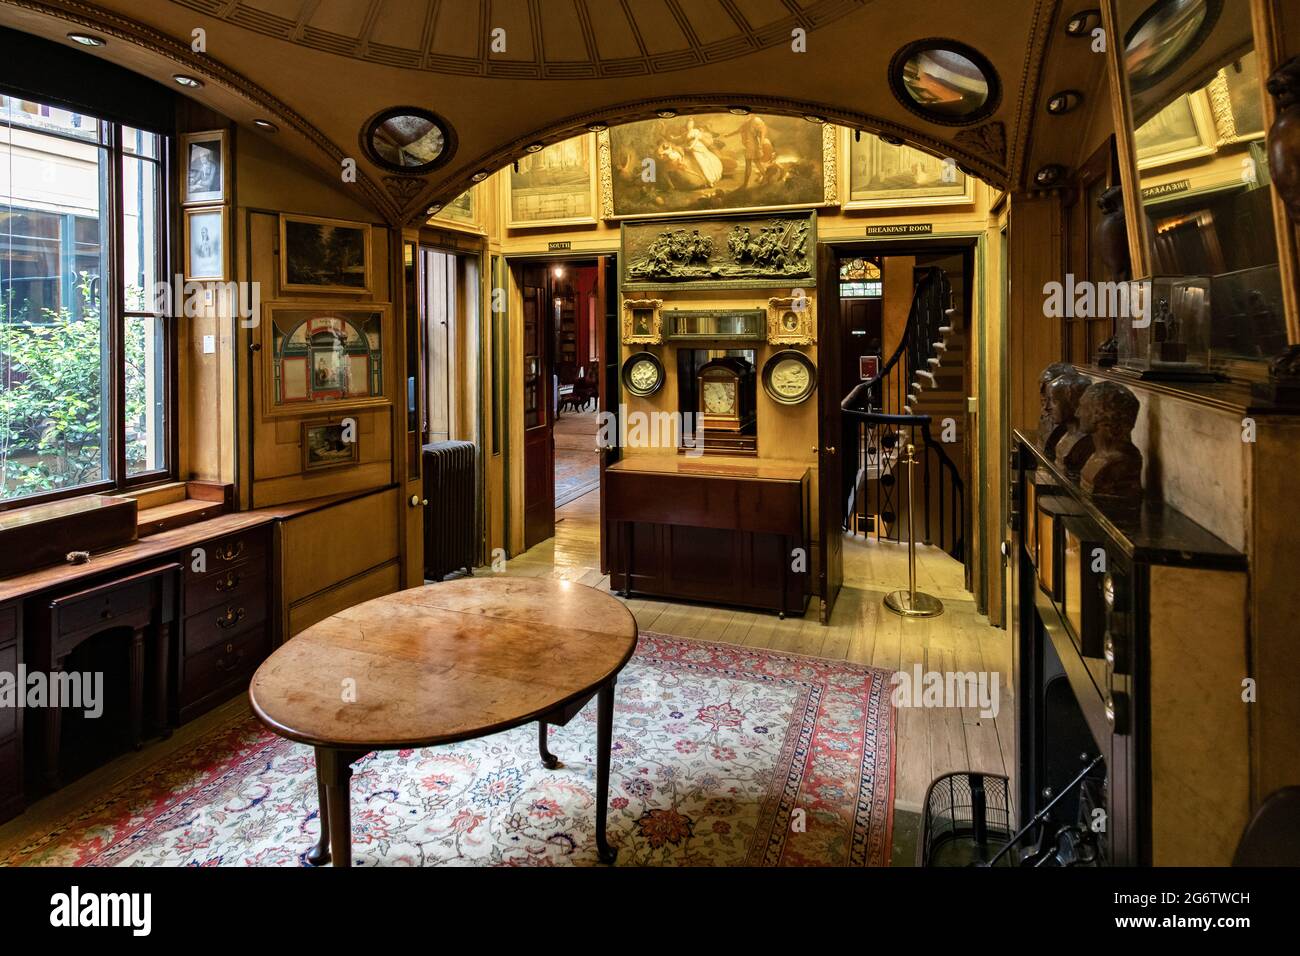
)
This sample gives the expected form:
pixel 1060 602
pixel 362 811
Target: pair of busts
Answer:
pixel 1087 431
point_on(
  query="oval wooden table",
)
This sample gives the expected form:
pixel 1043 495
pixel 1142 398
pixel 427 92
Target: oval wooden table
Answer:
pixel 442 663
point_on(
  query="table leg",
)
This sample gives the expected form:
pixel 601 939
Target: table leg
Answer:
pixel 604 741
pixel 334 769
pixel 319 855
pixel 549 760
pixel 137 688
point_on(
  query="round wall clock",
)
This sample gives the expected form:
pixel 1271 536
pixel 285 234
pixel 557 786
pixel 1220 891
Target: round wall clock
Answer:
pixel 789 377
pixel 643 374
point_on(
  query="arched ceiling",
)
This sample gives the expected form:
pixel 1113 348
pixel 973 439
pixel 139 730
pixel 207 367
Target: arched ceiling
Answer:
pixel 320 68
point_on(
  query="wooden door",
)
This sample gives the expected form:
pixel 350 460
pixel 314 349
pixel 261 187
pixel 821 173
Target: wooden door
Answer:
pixel 607 360
pixel 539 405
pixel 830 391
pixel 413 316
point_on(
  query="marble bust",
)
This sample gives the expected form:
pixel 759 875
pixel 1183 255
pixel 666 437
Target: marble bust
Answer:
pixel 1053 371
pixel 1062 399
pixel 1073 446
pixel 1107 412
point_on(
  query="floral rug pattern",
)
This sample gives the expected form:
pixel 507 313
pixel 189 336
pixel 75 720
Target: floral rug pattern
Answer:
pixel 723 755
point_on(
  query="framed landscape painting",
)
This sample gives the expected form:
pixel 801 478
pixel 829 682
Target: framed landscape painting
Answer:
pixel 463 212
pixel 881 175
pixel 316 356
pixel 554 187
pixel 324 255
pixel 325 445
pixel 1181 131
pixel 716 162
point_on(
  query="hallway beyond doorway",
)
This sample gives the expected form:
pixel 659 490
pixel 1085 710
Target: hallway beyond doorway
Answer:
pixel 577 463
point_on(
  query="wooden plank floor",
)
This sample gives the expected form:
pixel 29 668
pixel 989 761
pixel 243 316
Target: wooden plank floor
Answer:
pixel 931 741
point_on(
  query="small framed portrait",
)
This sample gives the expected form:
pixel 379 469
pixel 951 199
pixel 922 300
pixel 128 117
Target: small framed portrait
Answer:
pixel 642 322
pixel 790 320
pixel 324 255
pixel 205 244
pixel 327 444
pixel 205 178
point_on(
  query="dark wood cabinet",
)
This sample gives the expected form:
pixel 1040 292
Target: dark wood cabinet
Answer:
pixel 11 717
pixel 726 534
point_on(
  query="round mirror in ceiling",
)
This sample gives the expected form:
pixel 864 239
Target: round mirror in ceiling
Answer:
pixel 1165 34
pixel 944 81
pixel 408 139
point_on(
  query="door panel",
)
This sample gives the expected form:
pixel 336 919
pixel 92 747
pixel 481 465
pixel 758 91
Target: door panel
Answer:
pixel 539 400
pixel 830 391
pixel 413 515
pixel 607 351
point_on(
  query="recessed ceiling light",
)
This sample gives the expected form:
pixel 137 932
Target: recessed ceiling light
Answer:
pixel 534 147
pixel 191 82
pixel 597 127
pixel 738 110
pixel 85 39
pixel 266 125
pixel 1063 102
pixel 1083 23
pixel 481 175
pixel 814 118
pixel 432 210
pixel 891 140
pixel 1049 175
pixel 665 114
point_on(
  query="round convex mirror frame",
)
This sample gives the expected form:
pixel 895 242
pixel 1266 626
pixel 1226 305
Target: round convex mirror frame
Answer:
pixel 408 139
pixel 1186 24
pixel 907 73
pixel 642 388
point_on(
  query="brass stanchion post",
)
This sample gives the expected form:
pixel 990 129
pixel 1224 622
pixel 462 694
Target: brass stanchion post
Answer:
pixel 912 603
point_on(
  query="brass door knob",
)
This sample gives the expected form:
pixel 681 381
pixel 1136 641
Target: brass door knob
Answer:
pixel 418 502
pixel 830 449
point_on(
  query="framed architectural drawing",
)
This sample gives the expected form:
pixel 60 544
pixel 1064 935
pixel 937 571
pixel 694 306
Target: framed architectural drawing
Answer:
pixel 880 176
pixel 642 322
pixel 315 356
pixel 205 243
pixel 1181 131
pixel 554 187
pixel 205 178
pixel 716 162
pixel 324 255
pixel 790 320
pixel 720 252
pixel 465 213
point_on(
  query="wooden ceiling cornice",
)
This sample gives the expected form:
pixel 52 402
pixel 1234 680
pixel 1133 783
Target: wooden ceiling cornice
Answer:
pixel 329 156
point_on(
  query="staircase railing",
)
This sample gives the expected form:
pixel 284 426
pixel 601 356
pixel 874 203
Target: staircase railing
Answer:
pixel 883 406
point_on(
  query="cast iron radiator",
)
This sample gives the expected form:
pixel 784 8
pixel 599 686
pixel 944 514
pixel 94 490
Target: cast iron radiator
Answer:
pixel 449 515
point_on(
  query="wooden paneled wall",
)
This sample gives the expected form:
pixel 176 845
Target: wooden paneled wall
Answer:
pixel 1035 256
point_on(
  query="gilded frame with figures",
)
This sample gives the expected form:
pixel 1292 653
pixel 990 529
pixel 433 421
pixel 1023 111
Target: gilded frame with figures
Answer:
pixel 643 322
pixel 716 163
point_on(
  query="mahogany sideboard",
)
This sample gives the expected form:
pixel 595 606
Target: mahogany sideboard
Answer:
pixel 707 530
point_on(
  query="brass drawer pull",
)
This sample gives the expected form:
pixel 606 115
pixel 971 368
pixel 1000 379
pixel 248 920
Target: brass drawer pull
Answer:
pixel 230 583
pixel 233 665
pixel 230 618
pixel 230 551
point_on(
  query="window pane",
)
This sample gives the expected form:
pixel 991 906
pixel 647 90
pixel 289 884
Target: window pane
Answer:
pixel 53 345
pixel 139 143
pixel 146 395
pixel 139 233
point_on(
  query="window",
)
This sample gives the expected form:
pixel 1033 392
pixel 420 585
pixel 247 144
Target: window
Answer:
pixel 84 359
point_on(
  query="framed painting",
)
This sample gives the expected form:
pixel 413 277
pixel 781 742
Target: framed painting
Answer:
pixel 464 212
pixel 206 178
pixel 720 252
pixel 1181 131
pixel 205 243
pixel 642 322
pixel 716 162
pixel 554 187
pixel 1237 102
pixel 324 255
pixel 315 355
pixel 883 176
pixel 790 320
pixel 325 444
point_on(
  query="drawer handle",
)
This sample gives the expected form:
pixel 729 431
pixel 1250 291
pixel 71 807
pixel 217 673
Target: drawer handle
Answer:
pixel 230 583
pixel 230 551
pixel 233 665
pixel 230 618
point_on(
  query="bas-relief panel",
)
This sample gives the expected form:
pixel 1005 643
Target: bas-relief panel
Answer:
pixel 1194 459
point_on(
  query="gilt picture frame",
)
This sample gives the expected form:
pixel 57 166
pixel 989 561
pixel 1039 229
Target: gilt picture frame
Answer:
pixel 1181 131
pixel 878 175
pixel 205 169
pixel 716 163
pixel 321 255
pixel 205 244
pixel 464 213
pixel 790 320
pixel 325 445
pixel 321 357
pixel 552 188
pixel 643 322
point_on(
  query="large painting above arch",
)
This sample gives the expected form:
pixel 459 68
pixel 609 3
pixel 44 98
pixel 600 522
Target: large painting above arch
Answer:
pixel 716 162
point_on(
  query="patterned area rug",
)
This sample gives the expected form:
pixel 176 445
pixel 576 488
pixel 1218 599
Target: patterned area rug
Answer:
pixel 723 755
